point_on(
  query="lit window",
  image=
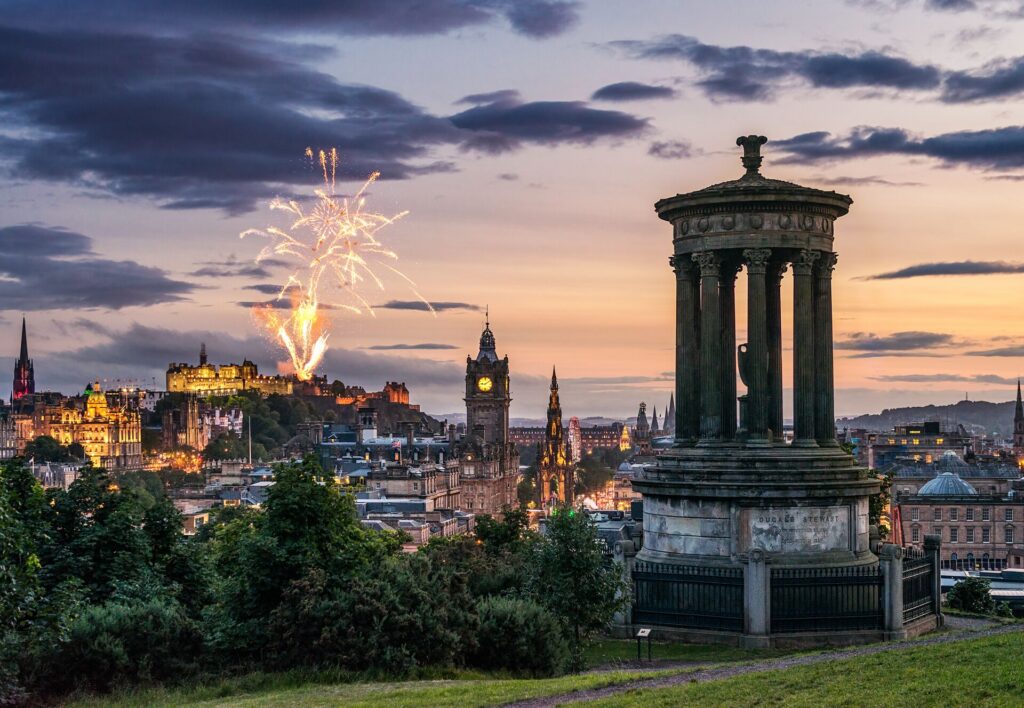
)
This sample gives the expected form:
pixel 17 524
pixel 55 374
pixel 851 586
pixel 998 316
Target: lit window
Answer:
pixel 892 441
pixel 903 441
pixel 986 535
pixel 917 441
pixel 939 441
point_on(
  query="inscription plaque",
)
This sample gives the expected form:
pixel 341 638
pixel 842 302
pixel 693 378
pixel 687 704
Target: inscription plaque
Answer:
pixel 798 529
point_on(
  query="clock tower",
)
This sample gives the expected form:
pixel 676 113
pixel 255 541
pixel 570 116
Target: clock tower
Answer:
pixel 487 392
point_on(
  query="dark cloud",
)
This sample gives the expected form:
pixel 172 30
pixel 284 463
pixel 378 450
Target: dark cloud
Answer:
pixel 1014 351
pixel 221 122
pixel 670 149
pixel 942 378
pixel 632 91
pixel 997 148
pixel 897 341
pixel 1000 79
pixel 860 181
pixel 508 177
pixel 950 5
pixel 742 73
pixel 44 268
pixel 423 307
pixel 424 346
pixel 953 268
pixel 265 288
pixel 532 18
pixel 501 122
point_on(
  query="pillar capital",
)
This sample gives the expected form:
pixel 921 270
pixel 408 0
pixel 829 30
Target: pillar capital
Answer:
pixel 708 262
pixel 827 264
pixel 684 267
pixel 804 261
pixel 757 259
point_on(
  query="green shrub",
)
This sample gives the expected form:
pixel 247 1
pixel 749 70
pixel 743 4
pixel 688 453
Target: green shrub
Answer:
pixel 520 636
pixel 974 595
pixel 117 643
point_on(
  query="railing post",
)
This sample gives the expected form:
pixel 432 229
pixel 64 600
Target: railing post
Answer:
pixel 890 558
pixel 932 546
pixel 624 553
pixel 756 601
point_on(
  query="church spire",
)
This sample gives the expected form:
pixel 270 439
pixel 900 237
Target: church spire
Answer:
pixel 24 375
pixel 1018 414
pixel 654 420
pixel 24 342
pixel 554 379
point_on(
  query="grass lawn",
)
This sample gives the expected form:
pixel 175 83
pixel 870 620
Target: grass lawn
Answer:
pixel 464 692
pixel 610 651
pixel 980 672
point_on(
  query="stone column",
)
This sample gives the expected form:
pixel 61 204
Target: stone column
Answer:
pixel 727 303
pixel 824 384
pixel 756 601
pixel 757 346
pixel 687 350
pixel 773 303
pixel 710 349
pixel 803 348
pixel 890 558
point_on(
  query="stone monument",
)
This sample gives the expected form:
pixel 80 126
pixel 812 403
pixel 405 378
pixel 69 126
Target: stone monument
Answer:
pixel 733 514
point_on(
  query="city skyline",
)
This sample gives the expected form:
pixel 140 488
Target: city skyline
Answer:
pixel 529 173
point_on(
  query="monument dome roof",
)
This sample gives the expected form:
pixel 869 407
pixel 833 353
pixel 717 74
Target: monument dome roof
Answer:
pixel 947 484
pixel 755 188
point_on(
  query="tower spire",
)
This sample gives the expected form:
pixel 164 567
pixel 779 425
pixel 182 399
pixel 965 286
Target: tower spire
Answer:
pixel 1018 414
pixel 24 375
pixel 24 342
pixel 554 379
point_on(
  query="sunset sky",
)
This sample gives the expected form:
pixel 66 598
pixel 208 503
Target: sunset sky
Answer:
pixel 529 140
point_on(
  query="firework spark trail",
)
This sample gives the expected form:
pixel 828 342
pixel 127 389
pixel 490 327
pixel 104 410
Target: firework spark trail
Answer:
pixel 335 238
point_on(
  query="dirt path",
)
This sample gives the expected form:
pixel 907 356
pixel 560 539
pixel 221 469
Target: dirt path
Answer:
pixel 963 630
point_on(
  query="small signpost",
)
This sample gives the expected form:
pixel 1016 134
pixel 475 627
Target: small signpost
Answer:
pixel 643 633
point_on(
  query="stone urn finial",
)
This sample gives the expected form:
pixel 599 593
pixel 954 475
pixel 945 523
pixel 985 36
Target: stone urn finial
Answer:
pixel 751 159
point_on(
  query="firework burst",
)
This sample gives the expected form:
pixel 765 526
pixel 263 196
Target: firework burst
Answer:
pixel 335 247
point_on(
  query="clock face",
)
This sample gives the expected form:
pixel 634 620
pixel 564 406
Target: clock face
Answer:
pixel 484 383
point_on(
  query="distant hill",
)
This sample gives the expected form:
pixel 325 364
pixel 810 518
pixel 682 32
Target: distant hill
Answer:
pixel 975 416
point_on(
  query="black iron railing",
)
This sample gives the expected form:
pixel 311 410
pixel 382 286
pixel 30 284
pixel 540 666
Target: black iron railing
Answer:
pixel 826 599
pixel 918 584
pixel 688 596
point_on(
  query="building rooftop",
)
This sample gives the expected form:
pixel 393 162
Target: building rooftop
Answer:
pixel 947 484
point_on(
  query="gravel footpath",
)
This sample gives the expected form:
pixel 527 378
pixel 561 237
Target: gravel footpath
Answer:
pixel 724 672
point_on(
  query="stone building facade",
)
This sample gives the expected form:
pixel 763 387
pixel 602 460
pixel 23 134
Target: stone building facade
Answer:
pixel 110 433
pixel 978 530
pixel 206 379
